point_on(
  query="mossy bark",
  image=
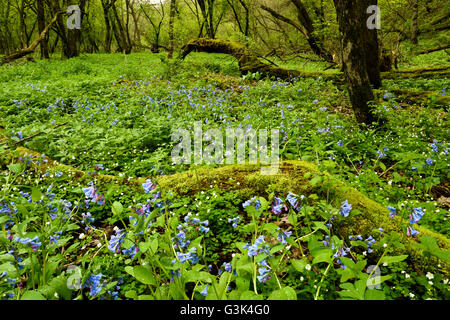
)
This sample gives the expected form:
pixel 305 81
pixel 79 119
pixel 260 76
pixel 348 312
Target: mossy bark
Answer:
pixel 248 182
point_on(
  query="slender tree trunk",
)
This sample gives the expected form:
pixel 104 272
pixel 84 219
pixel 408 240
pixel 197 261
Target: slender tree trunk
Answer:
pixel 108 36
pixel 173 9
pixel 351 16
pixel 414 24
pixel 41 26
pixel 372 50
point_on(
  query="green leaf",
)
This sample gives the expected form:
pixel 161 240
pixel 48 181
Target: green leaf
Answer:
pixel 322 255
pixel 15 167
pixel 374 294
pixel 117 208
pixel 36 194
pixel 250 295
pixel 194 276
pixel 393 259
pixel 143 274
pixel 32 295
pixel 286 293
pixel 299 265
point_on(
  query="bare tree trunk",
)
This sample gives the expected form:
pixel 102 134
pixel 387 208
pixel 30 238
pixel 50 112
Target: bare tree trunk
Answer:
pixel 173 9
pixel 41 26
pixel 414 24
pixel 351 16
pixel 372 50
pixel 121 32
pixel 108 37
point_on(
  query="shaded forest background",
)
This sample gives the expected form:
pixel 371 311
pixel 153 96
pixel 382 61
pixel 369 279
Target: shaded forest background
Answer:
pixel 268 28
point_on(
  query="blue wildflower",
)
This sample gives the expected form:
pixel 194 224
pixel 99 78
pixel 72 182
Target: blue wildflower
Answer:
pixel 416 215
pixel 204 292
pixel 345 208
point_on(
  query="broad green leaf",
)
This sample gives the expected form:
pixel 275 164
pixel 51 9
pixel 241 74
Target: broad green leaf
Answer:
pixel 144 274
pixel 117 208
pixel 36 194
pixel 393 259
pixel 299 265
pixel 32 295
pixel 194 276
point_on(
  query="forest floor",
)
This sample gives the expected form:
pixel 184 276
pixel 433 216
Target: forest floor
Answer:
pixel 121 221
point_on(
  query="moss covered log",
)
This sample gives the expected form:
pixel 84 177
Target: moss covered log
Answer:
pixel 292 176
pixel 249 62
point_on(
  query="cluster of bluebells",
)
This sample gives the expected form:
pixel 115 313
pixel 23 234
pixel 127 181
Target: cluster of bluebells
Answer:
pixel 257 248
pixel 381 152
pixel 342 252
pixel 92 195
pixel 414 217
pixel 234 221
pixel 293 201
pixel 87 220
pixel 345 209
pixel 54 238
pixel 31 159
pixel 253 201
pixel 369 241
pixel 181 243
pixel 278 206
pixel 32 242
pixel 116 241
pixel 94 284
pixel 283 235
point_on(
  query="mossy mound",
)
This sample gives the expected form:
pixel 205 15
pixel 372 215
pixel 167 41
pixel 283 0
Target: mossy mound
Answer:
pixel 292 176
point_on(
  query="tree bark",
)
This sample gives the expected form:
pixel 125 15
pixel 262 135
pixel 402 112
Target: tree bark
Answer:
pixel 351 16
pixel 173 8
pixel 32 47
pixel 414 23
pixel 41 26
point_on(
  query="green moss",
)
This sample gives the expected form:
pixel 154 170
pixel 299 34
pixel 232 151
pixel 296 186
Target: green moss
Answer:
pixel 248 181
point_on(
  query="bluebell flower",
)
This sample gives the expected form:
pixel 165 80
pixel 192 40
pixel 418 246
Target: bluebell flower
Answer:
pixel 204 292
pixel 416 215
pixel 263 275
pixel 429 161
pixel 277 205
pixel 116 241
pixel 392 211
pixel 93 283
pixel 148 186
pixel 282 236
pixel 234 221
pixel 345 208
pixel 292 199
pixel 256 203
pixel 410 231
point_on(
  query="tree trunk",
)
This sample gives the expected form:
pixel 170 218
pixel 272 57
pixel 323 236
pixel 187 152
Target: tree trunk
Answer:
pixel 32 46
pixel 121 33
pixel 108 36
pixel 41 26
pixel 351 16
pixel 173 8
pixel 372 50
pixel 414 23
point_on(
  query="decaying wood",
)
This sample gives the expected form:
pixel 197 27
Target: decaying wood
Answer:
pixel 30 49
pixel 249 62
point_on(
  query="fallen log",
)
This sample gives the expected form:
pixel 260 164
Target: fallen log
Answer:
pixel 438 48
pixel 418 97
pixel 30 49
pixel 249 62
pixel 290 177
